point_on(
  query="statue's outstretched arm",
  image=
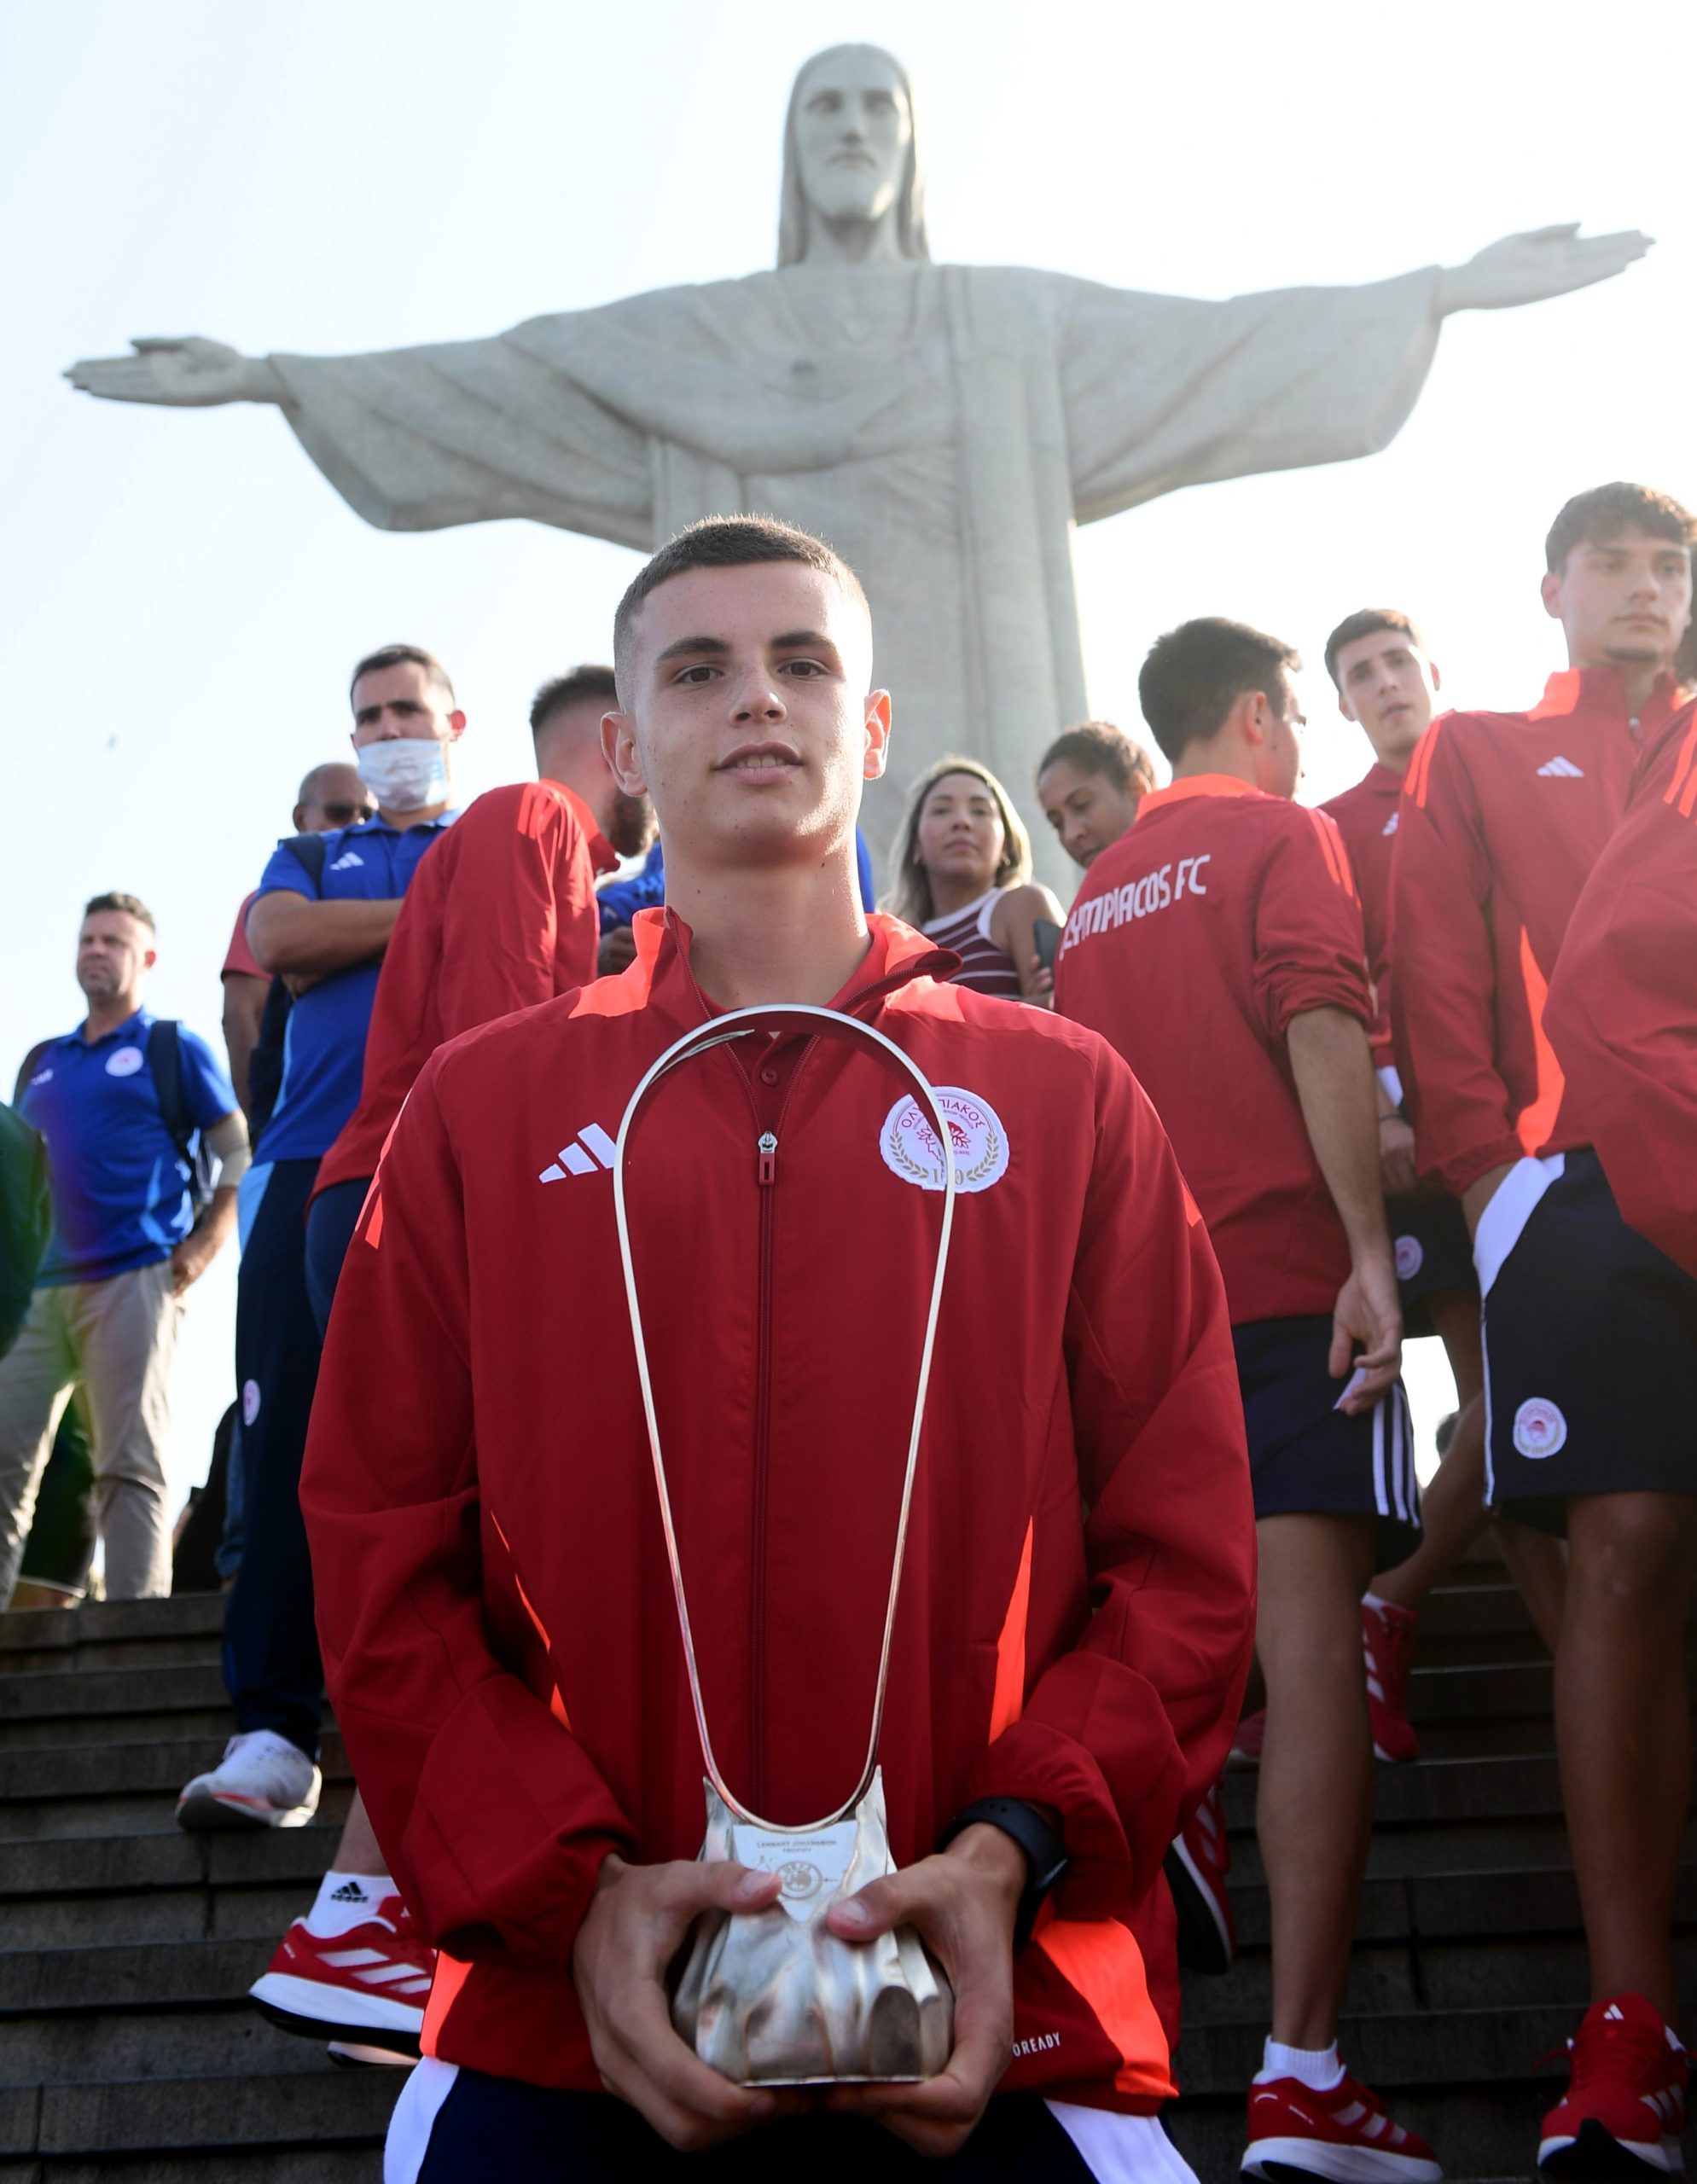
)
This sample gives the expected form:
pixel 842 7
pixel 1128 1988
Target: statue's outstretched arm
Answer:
pixel 1525 269
pixel 188 373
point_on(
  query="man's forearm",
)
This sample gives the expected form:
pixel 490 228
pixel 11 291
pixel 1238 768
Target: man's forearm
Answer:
pixel 1333 1072
pixel 244 1007
pixel 219 1224
pixel 289 933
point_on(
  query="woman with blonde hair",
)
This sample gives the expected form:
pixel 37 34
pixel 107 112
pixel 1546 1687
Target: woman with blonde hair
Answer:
pixel 962 874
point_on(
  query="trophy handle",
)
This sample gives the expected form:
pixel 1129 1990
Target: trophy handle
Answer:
pixel 737 1023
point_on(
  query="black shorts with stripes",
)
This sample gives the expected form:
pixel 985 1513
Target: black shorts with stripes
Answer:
pixel 1590 1347
pixel 1307 1456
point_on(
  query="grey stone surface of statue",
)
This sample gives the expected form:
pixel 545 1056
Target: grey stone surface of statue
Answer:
pixel 943 426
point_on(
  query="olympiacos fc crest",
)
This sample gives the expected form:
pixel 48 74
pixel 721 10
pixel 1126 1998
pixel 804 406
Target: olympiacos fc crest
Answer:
pixel 908 1142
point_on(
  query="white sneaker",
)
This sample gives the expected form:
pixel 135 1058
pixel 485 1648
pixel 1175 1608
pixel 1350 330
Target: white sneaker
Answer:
pixel 263 1780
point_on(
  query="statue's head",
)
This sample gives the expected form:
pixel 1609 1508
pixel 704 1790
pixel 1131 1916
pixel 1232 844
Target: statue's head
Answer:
pixel 851 151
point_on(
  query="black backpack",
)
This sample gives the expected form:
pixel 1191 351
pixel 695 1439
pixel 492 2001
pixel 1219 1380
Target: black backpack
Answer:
pixel 165 1064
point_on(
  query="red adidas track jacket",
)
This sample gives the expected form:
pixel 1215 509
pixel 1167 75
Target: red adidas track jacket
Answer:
pixel 493 1601
pixel 1503 816
pixel 1623 1003
pixel 506 919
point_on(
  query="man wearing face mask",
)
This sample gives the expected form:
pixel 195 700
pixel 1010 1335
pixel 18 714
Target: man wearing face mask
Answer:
pixel 321 918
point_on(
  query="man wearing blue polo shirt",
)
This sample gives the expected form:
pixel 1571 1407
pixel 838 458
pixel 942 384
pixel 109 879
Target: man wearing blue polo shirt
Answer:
pixel 124 1246
pixel 322 921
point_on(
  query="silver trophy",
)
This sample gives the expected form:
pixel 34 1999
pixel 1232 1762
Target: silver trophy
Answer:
pixel 773 1997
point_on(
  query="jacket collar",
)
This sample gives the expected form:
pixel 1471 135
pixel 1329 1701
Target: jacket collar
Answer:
pixel 661 978
pixel 1602 691
pixel 1191 785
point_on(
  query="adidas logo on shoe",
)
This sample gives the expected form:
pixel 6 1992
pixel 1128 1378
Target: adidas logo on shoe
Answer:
pixel 1562 770
pixel 574 1160
pixel 348 857
pixel 349 1892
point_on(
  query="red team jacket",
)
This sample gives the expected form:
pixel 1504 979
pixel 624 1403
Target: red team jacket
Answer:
pixel 1195 939
pixel 1503 815
pixel 501 916
pixel 1623 1004
pixel 493 1600
pixel 1366 816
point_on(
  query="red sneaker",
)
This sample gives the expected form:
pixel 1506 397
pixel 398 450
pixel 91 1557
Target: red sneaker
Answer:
pixel 1626 2105
pixel 1387 1638
pixel 368 1985
pixel 1344 2135
pixel 1196 1867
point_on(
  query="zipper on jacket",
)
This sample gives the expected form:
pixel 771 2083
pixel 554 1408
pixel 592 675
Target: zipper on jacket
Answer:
pixel 766 1171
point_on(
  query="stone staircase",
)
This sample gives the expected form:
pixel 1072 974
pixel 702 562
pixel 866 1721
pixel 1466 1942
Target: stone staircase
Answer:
pixel 1469 1960
pixel 127 2052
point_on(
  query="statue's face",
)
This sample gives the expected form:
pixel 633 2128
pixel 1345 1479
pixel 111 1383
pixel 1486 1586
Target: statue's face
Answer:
pixel 854 130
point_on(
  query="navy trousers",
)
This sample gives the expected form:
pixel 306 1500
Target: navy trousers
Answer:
pixel 329 1231
pixel 271 1669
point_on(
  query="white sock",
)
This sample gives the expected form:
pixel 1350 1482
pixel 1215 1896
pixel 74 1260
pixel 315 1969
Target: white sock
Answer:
pixel 1317 2068
pixel 346 1900
pixel 1370 1598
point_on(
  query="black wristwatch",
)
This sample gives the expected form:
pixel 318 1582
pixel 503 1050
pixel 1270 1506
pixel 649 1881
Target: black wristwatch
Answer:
pixel 1045 1850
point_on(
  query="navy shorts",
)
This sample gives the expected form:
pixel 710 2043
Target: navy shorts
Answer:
pixel 1433 1253
pixel 489 2127
pixel 1307 1456
pixel 1590 1347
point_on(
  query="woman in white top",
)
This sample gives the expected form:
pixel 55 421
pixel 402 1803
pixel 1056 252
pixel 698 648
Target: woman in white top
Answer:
pixel 962 874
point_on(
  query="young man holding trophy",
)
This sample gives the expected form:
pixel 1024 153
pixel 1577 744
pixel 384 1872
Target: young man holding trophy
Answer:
pixel 910 1443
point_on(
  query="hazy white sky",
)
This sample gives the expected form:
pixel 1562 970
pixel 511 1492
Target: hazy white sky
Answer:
pixel 181 595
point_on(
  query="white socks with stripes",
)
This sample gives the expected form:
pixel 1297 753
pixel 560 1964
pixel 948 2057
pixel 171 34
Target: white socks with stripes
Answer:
pixel 1317 2068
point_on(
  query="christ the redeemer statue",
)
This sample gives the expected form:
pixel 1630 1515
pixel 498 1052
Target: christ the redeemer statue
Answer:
pixel 942 426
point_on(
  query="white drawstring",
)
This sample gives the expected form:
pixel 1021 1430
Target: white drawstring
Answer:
pixel 739 1023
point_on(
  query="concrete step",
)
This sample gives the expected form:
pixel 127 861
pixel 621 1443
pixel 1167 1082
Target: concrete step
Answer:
pixel 129 1975
pixel 160 2115
pixel 49 1637
pixel 153 1916
pixel 115 1789
pixel 49 1694
pixel 93 2048
pixel 320 2164
pixel 1390 1977
pixel 114 1864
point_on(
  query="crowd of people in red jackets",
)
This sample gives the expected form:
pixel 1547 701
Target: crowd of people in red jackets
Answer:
pixel 1281 1086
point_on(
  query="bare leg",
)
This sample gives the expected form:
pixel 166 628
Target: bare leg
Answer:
pixel 1452 1515
pixel 1622 1728
pixel 359 1852
pixel 1314 1808
pixel 1537 1562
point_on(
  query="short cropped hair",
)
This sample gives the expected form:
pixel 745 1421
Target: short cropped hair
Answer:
pixel 723 542
pixel 1196 673
pixel 576 687
pixel 401 656
pixel 1593 518
pixel 132 906
pixel 1364 623
pixel 1097 746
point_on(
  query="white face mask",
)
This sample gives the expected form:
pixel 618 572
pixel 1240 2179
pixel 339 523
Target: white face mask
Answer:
pixel 406 773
